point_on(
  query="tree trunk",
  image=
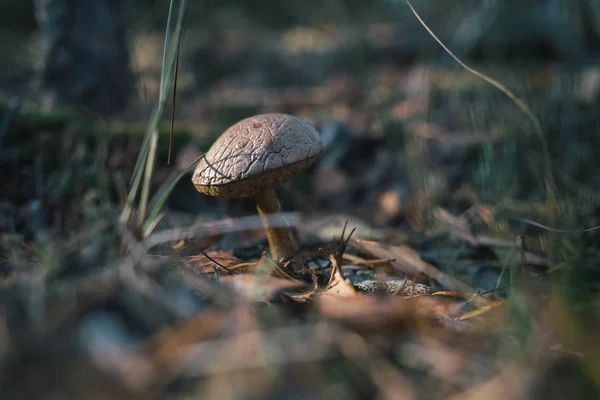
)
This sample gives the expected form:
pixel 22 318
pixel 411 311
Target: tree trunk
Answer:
pixel 85 60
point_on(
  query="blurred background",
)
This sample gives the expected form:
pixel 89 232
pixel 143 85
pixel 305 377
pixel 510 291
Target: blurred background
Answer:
pixel 418 151
pixel 366 73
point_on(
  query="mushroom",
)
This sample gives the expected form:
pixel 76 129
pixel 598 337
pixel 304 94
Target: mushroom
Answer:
pixel 252 157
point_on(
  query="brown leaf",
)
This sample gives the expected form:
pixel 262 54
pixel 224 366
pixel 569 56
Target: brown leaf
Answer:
pixel 409 262
pixel 368 314
pixel 266 265
pixel 405 259
pixel 268 281
pixel 509 383
pixel 338 285
pixel 201 264
pixel 166 344
pixel 255 287
pixel 303 297
pixel 390 381
pixel 481 311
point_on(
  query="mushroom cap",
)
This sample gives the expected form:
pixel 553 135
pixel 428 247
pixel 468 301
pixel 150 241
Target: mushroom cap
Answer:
pixel 256 153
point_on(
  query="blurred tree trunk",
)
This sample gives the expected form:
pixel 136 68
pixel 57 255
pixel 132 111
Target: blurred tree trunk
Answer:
pixel 85 58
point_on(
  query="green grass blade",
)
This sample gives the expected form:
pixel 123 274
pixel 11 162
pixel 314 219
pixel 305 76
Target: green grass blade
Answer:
pixel 161 198
pixel 143 205
pixel 153 126
pixel 145 145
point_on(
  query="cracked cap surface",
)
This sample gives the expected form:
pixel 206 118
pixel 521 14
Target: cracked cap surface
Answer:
pixel 257 152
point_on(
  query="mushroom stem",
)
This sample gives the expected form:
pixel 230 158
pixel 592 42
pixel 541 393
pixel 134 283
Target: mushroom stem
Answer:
pixel 281 240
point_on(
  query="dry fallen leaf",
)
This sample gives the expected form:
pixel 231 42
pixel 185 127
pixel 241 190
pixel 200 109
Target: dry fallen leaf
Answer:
pixel 201 264
pixel 405 259
pixel 409 262
pixel 441 360
pixel 267 281
pixel 480 311
pixel 338 285
pixel 303 297
pixel 367 314
pixel 266 265
pixel 390 381
pixel 256 287
pixel 166 344
pixel 510 383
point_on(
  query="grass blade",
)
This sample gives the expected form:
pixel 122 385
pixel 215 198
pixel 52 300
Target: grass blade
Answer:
pixel 146 156
pixel 161 198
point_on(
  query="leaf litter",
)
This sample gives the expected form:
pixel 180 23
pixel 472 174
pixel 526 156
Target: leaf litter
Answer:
pixel 386 314
pixel 217 314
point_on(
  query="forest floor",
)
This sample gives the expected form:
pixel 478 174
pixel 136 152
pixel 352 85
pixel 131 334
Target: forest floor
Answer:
pixel 444 245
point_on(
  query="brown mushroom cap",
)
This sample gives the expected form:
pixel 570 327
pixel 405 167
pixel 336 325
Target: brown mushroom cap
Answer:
pixel 256 153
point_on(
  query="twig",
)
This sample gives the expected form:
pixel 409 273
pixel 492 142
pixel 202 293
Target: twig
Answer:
pixel 217 263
